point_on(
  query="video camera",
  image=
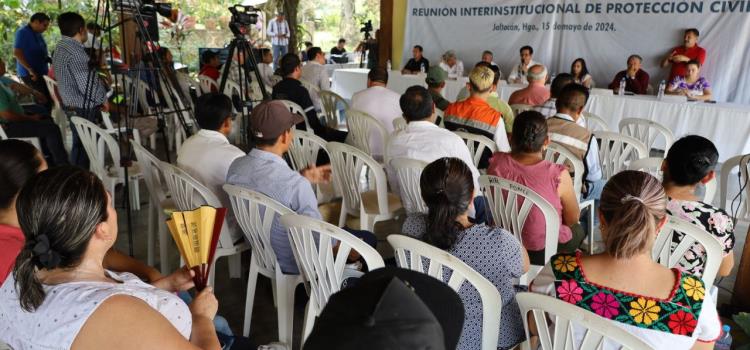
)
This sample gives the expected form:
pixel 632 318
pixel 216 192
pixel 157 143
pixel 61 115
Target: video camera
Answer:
pixel 366 28
pixel 242 16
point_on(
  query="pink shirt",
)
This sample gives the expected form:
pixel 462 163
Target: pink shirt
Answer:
pixel 11 243
pixel 543 178
pixel 532 95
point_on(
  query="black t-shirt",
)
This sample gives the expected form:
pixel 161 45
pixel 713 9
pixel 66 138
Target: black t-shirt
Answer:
pixel 292 90
pixel 337 56
pixel 415 66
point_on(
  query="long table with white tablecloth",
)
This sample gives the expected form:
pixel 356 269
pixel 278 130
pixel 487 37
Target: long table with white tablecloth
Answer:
pixel 726 124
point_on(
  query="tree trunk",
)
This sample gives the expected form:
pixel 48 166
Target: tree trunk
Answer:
pixel 290 10
pixel 347 26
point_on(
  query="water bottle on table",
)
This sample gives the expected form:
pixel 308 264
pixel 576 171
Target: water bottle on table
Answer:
pixel 725 341
pixel 621 90
pixel 662 87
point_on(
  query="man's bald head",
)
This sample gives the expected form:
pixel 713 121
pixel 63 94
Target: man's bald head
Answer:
pixel 537 74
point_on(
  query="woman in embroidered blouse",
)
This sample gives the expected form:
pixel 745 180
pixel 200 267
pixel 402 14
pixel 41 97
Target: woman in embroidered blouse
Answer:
pixel 691 161
pixel 447 188
pixel 693 85
pixel 60 296
pixel 664 307
pixel 580 73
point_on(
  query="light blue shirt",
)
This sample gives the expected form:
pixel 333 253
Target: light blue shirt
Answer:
pixel 269 174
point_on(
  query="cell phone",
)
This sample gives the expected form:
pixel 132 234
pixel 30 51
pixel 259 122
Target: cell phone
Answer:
pixel 710 101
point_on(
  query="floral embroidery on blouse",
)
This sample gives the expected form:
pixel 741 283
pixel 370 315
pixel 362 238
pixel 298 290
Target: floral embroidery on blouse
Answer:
pixel 677 315
pixel 696 88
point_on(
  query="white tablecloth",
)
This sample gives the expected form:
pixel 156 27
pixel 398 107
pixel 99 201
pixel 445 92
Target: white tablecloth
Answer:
pixel 332 67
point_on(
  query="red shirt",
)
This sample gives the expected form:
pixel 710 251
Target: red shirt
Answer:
pixel 210 71
pixel 694 53
pixel 11 243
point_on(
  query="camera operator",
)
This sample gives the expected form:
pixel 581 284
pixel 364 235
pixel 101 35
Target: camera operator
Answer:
pixel 370 45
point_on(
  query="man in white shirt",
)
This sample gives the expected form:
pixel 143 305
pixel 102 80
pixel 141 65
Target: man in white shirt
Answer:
pixel 518 74
pixel 207 155
pixel 265 69
pixel 315 73
pixel 380 103
pixel 452 65
pixel 278 31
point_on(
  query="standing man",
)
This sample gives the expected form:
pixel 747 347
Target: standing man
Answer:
pixel 31 54
pixel 518 74
pixel 278 30
pixel 681 55
pixel 82 91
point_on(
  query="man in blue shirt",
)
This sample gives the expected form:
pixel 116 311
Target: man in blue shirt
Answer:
pixel 31 54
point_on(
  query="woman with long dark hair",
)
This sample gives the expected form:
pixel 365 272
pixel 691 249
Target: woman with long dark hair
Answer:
pixel 448 190
pixel 581 73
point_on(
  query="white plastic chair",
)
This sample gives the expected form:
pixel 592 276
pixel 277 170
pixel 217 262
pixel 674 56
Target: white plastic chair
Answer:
pixel 207 84
pixel 189 194
pixel 303 152
pixel 332 104
pixel 399 124
pixel 255 214
pixel 348 164
pixel 362 127
pixel 312 242
pixel 669 254
pixel 566 316
pixel 503 197
pixel 558 154
pixel 519 108
pixel 58 112
pixel 296 109
pixel 595 122
pixel 97 143
pixel 647 131
pixel 477 144
pixel 159 207
pixel 617 150
pixel 438 263
pixel 740 161
pixel 32 140
pixel 408 172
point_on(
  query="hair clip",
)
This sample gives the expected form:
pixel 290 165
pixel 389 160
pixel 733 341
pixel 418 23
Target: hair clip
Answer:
pixel 629 197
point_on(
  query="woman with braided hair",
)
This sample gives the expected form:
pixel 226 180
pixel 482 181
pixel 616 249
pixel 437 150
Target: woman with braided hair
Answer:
pixel 525 165
pixel 448 190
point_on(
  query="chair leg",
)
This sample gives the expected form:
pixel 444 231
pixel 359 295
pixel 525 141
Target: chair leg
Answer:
pixel 150 244
pixel 135 195
pixel 252 281
pixel 310 314
pixel 235 265
pixel 275 293
pixel 285 309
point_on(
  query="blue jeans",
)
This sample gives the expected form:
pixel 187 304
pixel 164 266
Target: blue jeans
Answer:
pixel 223 332
pixel 278 51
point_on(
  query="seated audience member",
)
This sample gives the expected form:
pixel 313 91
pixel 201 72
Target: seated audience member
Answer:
pixel 380 103
pixel 423 139
pixel 417 63
pixel 580 73
pixel 181 88
pixel 435 84
pixel 519 72
pixel 536 93
pixel 338 52
pixel 691 161
pixel 315 73
pixel 452 65
pixel 681 55
pixel 493 99
pixel 290 88
pixel 525 165
pixel 474 114
pixel 211 63
pixel 17 123
pixel 264 170
pixel 265 67
pixel 666 308
pixel 19 89
pixel 207 154
pixel 303 53
pixel 447 189
pixel 61 296
pixel 564 129
pixel 636 79
pixel 390 308
pixel 549 108
pixel 693 85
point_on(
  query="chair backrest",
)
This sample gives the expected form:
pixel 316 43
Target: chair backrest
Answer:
pixel 439 264
pixel 97 143
pixel 558 154
pixel 518 108
pixel 207 83
pixel 331 104
pixel 616 150
pixel 361 126
pixel 647 131
pixel 477 145
pixel 595 122
pixel 32 140
pixel 312 243
pixel 304 149
pixel 188 194
pixel 348 164
pixel 408 172
pixel 651 165
pixel 399 124
pixel 52 88
pixel 670 255
pixel 511 203
pixel 296 109
pixel 255 213
pixel 740 161
pixel 565 316
pixel 152 173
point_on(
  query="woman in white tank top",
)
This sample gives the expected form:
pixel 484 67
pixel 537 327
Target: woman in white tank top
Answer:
pixel 60 297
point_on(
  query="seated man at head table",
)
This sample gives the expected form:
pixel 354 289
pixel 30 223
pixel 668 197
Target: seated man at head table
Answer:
pixel 338 52
pixel 636 79
pixel 518 74
pixel 417 63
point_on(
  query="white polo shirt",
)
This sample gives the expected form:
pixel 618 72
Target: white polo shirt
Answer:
pixel 383 105
pixel 516 72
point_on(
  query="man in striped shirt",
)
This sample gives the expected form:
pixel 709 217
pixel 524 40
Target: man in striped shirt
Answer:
pixel 278 30
pixel 82 91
